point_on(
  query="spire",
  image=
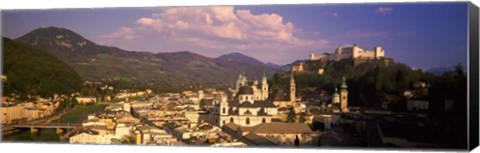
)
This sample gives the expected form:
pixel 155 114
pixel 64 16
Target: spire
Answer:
pixel 245 78
pixel 336 94
pixel 264 77
pixel 292 80
pixel 344 84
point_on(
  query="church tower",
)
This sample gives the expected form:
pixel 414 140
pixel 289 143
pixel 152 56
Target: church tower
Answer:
pixel 343 96
pixel 244 79
pixel 238 83
pixel 336 97
pixel 223 112
pixel 292 89
pixel 264 87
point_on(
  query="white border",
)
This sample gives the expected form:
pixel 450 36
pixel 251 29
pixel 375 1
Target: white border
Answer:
pixel 46 4
pixel 55 4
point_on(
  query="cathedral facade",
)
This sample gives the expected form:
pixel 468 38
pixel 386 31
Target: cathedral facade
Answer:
pixel 249 106
pixel 245 110
pixel 260 90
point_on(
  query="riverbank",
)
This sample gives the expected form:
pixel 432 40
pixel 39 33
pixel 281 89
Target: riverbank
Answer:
pixel 80 113
pixel 74 115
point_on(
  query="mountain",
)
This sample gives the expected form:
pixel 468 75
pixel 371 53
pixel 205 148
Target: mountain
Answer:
pixel 34 71
pixel 442 69
pixel 288 67
pixel 240 58
pixel 273 65
pixel 438 70
pixel 95 62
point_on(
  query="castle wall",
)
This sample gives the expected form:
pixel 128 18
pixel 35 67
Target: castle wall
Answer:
pixel 353 52
pixel 242 120
pixel 314 57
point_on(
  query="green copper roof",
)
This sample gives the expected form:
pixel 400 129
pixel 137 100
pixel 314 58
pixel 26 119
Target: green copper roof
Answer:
pixel 344 84
pixel 335 94
pixel 291 78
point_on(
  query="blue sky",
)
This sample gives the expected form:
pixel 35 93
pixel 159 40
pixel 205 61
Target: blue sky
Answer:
pixel 422 35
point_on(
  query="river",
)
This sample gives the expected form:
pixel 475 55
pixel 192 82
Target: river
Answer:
pixel 77 115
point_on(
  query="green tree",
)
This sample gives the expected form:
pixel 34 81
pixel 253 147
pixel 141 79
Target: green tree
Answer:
pixel 127 140
pixel 74 101
pixel 292 115
pixel 203 102
pixel 302 117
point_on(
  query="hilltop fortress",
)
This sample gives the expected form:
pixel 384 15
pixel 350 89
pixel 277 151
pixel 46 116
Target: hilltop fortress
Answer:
pixel 353 52
pixel 317 62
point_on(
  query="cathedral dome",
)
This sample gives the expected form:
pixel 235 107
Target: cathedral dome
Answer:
pixel 245 90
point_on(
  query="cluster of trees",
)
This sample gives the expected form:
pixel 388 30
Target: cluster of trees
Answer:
pixel 375 82
pixel 292 116
pixel 68 103
pixel 33 71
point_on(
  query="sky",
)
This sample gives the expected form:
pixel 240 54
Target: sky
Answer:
pixel 422 35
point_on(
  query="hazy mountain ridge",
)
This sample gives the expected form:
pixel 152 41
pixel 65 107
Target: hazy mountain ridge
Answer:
pixel 96 62
pixel 241 58
pixel 442 69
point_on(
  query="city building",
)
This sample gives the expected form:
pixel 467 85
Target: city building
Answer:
pixel 275 134
pixel 344 96
pixel 91 138
pixel 260 90
pixel 286 99
pixel 416 105
pixel 353 52
pixel 316 62
pixel 26 111
pixel 246 109
pixel 86 100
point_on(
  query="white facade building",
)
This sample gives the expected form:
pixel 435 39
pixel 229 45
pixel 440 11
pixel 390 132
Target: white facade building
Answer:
pixel 86 138
pixel 86 100
pixel 352 52
pixel 260 90
pixel 245 109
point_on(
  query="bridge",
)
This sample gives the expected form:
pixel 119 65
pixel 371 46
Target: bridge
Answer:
pixel 48 126
pixel 58 126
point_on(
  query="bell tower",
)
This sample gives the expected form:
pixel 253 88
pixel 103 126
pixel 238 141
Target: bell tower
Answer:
pixel 264 87
pixel 292 89
pixel 223 107
pixel 343 96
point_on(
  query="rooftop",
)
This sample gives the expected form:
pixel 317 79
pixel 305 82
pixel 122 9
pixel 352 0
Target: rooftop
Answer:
pixel 280 127
pixel 245 90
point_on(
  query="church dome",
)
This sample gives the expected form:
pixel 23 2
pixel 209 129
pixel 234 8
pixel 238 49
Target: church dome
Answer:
pixel 335 94
pixel 245 90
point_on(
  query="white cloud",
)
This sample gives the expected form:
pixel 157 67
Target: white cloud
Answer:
pixel 384 10
pixel 218 28
pixel 335 14
pixel 124 33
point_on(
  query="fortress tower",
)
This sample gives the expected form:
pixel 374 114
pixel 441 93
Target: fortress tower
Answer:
pixel 379 52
